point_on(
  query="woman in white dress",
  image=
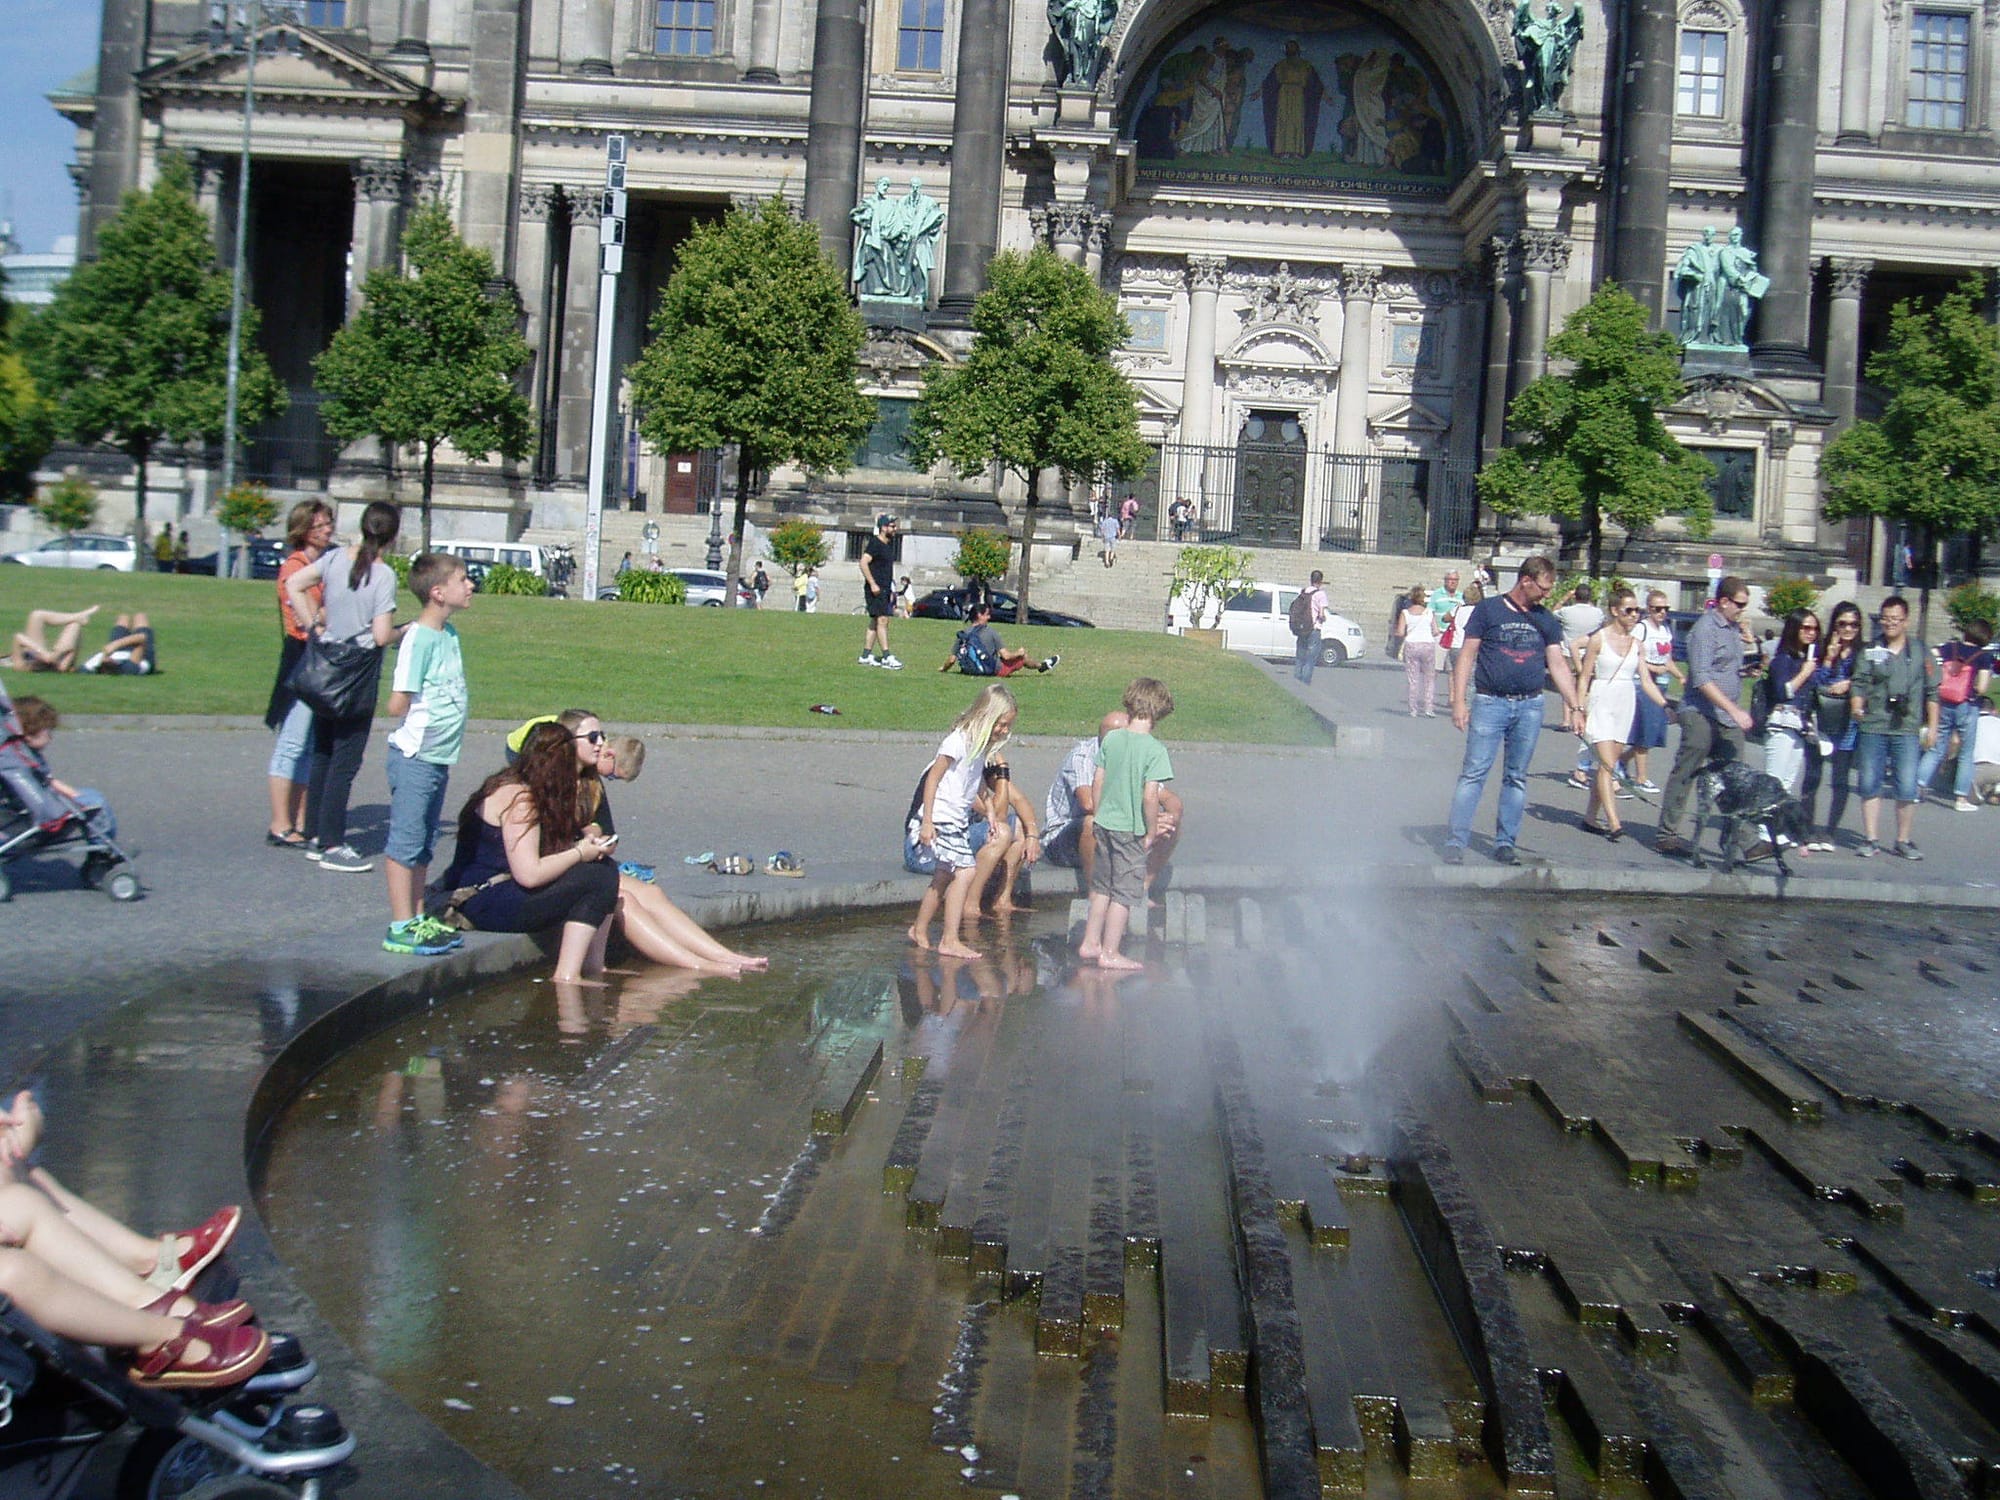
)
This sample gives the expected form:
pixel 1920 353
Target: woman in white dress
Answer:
pixel 1613 679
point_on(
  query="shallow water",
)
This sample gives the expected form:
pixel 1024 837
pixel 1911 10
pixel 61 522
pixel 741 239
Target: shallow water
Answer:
pixel 876 1223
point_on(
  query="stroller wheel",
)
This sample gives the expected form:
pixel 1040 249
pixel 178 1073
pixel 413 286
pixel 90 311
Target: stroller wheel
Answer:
pixel 6 887
pixel 95 865
pixel 122 886
pixel 239 1487
pixel 163 1465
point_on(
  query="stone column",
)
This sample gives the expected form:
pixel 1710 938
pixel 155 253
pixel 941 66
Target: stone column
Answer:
pixel 378 198
pixel 492 127
pixel 114 152
pixel 978 154
pixel 1499 341
pixel 1846 280
pixel 764 17
pixel 1068 226
pixel 533 205
pixel 1645 154
pixel 1544 254
pixel 1097 236
pixel 211 180
pixel 587 37
pixel 413 33
pixel 834 113
pixel 1204 279
pixel 579 336
pixel 1785 187
pixel 1358 288
pixel 1857 56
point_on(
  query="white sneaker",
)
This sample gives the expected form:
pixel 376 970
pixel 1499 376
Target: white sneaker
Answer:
pixel 891 663
pixel 1965 804
pixel 345 859
pixel 867 660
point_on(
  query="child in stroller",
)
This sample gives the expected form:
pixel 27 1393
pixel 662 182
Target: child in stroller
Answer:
pixel 38 812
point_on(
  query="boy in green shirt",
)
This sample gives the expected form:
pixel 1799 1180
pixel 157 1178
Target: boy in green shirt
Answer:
pixel 429 696
pixel 1135 810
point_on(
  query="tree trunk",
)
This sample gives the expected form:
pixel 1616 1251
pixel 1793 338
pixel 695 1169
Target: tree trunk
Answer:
pixel 1034 477
pixel 139 501
pixel 744 468
pixel 424 505
pixel 1593 520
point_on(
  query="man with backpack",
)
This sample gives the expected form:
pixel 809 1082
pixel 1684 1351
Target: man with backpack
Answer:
pixel 977 650
pixel 1965 670
pixel 1308 613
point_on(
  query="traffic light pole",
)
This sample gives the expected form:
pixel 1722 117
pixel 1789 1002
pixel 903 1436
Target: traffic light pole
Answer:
pixel 611 261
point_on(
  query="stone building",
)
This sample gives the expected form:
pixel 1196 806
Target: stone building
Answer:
pixel 1340 237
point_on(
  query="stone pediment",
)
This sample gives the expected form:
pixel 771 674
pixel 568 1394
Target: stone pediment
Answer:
pixel 1412 418
pixel 1286 345
pixel 1719 400
pixel 294 64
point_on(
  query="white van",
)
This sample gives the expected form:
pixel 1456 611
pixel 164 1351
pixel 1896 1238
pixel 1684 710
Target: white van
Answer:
pixel 1259 622
pixel 494 554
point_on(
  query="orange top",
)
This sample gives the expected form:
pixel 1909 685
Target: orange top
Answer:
pixel 286 569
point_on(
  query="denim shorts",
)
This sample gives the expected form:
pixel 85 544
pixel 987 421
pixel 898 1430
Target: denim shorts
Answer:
pixel 416 801
pixel 1879 758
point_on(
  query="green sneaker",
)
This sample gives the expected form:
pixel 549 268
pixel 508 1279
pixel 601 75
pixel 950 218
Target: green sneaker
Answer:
pixel 438 932
pixel 408 937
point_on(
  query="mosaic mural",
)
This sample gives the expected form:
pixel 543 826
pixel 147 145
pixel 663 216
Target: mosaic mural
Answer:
pixel 1318 94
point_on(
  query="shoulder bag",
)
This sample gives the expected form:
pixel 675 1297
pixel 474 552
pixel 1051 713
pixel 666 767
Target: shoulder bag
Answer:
pixel 337 678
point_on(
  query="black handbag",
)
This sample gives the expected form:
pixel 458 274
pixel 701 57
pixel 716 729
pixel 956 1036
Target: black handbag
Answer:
pixel 337 678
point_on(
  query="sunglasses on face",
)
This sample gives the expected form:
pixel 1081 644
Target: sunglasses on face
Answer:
pixel 595 737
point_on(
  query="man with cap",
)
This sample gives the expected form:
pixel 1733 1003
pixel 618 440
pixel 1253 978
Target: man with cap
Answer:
pixel 878 581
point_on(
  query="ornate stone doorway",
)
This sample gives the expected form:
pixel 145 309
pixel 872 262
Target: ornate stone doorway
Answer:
pixel 1270 478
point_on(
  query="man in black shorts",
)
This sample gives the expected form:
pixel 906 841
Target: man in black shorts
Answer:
pixel 878 589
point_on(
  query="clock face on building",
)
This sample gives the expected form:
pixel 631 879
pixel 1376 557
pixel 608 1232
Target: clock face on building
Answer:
pixel 1314 95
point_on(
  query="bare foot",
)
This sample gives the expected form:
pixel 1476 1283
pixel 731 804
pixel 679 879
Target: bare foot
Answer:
pixel 1002 905
pixel 921 939
pixel 750 960
pixel 1088 950
pixel 1117 961
pixel 956 949
pixel 593 982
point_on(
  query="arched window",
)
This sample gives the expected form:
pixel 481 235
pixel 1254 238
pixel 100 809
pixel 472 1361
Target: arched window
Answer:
pixel 1708 74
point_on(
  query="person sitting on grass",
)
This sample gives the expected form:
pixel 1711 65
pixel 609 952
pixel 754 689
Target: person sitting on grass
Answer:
pixel 35 652
pixel 978 651
pixel 1132 772
pixel 129 652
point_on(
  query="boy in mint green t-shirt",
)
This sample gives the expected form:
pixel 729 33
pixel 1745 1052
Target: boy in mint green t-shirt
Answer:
pixel 1135 811
pixel 429 695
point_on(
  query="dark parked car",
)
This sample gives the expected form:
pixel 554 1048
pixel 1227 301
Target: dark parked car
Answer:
pixel 265 556
pixel 949 604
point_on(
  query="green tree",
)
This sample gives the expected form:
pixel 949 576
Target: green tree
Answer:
pixel 982 555
pixel 430 358
pixel 27 426
pixel 1593 446
pixel 1037 391
pixel 798 545
pixel 1932 459
pixel 70 505
pixel 134 351
pixel 754 343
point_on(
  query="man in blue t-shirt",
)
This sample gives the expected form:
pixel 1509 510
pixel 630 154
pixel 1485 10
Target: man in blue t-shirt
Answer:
pixel 1512 646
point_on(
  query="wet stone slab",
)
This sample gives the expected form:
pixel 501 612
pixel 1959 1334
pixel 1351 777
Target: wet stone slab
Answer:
pixel 1586 1198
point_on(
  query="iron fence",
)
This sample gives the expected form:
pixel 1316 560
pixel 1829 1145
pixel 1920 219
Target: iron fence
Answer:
pixel 1275 494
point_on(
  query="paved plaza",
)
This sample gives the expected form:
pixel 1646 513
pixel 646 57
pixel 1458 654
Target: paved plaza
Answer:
pixel 149 1026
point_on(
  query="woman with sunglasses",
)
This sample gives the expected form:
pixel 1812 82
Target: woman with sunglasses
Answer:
pixel 1830 750
pixel 1614 679
pixel 1655 636
pixel 1789 694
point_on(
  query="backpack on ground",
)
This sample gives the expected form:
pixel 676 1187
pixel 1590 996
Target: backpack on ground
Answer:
pixel 973 659
pixel 1301 617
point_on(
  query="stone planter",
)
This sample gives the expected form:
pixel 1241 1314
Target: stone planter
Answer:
pixel 1206 637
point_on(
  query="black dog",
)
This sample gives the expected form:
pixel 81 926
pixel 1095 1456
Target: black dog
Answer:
pixel 1747 800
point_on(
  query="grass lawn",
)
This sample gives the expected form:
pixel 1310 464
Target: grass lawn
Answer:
pixel 643 664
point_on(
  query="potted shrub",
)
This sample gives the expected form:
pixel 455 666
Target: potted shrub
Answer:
pixel 1208 578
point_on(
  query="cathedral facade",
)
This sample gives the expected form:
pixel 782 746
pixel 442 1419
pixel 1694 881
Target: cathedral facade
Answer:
pixel 1342 233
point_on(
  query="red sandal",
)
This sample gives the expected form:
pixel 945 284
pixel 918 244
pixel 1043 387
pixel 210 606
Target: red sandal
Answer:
pixel 234 1355
pixel 231 1314
pixel 206 1242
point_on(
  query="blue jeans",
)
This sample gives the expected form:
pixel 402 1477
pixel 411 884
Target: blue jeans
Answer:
pixel 416 801
pixel 1876 755
pixel 291 756
pixel 1305 656
pixel 1961 719
pixel 100 819
pixel 1517 723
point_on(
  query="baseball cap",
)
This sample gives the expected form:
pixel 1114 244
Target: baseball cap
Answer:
pixel 885 519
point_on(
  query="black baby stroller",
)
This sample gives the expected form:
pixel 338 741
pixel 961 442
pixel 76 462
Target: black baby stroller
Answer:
pixel 35 817
pixel 59 1401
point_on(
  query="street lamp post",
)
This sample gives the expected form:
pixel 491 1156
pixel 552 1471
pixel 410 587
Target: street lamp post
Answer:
pixel 243 35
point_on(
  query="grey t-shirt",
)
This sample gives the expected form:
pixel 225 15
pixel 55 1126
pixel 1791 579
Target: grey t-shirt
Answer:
pixel 350 611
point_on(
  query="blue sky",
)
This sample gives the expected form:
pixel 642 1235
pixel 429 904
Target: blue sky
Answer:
pixel 42 43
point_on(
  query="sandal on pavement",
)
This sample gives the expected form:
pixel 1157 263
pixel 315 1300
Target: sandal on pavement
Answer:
pixel 206 1315
pixel 291 838
pixel 733 864
pixel 206 1242
pixel 234 1355
pixel 784 862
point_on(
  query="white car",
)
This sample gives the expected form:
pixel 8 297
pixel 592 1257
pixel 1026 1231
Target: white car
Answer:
pixel 1259 622
pixel 86 549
